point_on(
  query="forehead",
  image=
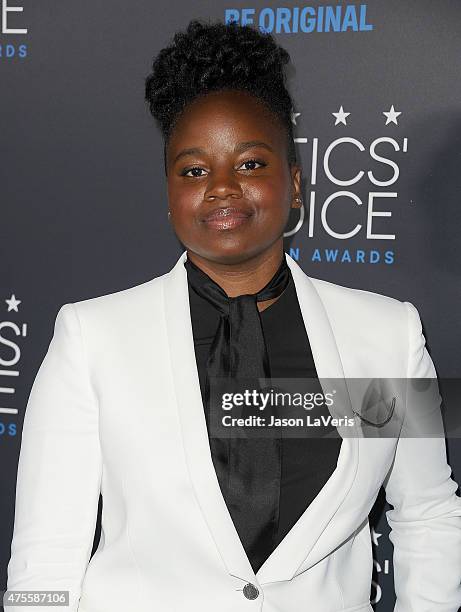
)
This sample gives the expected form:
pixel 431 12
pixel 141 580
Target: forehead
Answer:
pixel 224 118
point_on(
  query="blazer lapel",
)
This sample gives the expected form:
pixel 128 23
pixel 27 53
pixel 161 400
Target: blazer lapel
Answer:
pixel 193 424
pixel 301 547
pixel 301 544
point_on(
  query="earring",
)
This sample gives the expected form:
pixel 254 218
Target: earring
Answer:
pixel 299 201
pixel 169 215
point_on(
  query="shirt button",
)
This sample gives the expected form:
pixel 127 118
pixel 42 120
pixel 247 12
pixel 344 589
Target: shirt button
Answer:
pixel 250 591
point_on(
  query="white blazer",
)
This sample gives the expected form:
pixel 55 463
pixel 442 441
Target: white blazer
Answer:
pixel 116 407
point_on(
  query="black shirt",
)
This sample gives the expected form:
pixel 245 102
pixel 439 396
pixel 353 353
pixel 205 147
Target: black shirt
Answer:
pixel 307 463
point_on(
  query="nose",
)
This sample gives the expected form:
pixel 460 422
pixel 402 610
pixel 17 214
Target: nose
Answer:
pixel 223 185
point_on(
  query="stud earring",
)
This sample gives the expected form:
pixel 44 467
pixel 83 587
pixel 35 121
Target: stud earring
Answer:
pixel 299 201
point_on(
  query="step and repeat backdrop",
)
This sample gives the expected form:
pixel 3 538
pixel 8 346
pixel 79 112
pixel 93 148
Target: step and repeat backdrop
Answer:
pixel 83 196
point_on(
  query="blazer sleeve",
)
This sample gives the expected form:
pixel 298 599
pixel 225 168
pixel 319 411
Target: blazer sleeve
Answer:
pixel 59 472
pixel 425 520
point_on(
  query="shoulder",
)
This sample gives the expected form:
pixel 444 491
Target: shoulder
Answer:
pixel 362 301
pixel 344 301
pixel 367 318
pixel 149 292
pixel 120 310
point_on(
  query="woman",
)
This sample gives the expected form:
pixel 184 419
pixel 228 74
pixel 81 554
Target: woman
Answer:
pixel 123 401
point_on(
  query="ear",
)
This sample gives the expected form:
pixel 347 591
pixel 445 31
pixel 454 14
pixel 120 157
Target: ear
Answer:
pixel 296 172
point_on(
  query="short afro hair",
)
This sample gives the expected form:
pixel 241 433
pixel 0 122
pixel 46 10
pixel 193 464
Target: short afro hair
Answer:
pixel 216 56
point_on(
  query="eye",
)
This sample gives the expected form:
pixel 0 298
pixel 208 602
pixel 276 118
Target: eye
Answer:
pixel 253 161
pixel 187 170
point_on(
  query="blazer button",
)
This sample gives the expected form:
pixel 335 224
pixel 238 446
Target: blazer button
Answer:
pixel 250 591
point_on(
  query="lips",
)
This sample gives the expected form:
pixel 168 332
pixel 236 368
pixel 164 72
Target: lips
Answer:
pixel 228 211
pixel 227 217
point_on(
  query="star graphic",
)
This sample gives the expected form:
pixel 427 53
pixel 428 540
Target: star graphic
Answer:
pixel 293 117
pixel 340 116
pixel 391 116
pixel 375 536
pixel 13 303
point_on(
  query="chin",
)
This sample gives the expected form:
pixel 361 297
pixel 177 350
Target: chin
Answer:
pixel 229 252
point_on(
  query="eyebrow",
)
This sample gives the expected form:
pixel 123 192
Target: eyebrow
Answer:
pixel 239 148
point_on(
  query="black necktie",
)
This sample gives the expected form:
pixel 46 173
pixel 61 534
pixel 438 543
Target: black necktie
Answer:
pixel 248 469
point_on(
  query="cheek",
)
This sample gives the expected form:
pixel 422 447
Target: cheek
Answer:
pixel 271 200
pixel 268 194
pixel 185 200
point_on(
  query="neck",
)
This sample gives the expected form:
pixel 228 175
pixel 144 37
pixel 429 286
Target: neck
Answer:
pixel 244 276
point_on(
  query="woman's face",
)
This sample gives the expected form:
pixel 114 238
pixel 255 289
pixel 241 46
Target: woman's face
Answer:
pixel 227 157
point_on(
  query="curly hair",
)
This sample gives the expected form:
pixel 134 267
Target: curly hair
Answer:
pixel 216 56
